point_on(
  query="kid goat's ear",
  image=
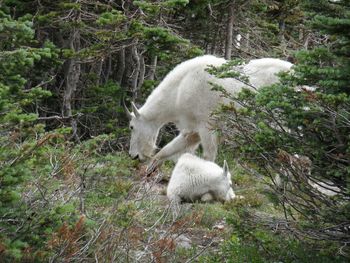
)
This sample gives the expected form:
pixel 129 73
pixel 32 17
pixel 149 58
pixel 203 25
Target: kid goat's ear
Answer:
pixel 225 168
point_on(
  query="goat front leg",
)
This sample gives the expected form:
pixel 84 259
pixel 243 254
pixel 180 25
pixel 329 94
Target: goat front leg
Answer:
pixel 180 144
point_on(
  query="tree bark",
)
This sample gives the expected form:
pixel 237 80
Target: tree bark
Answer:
pixel 214 42
pixel 152 68
pixel 109 68
pixel 229 32
pixel 72 75
pixel 99 72
pixel 247 42
pixel 141 73
pixel 121 66
pixel 136 72
pixel 282 26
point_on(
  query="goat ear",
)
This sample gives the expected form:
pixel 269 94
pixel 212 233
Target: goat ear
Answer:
pixel 226 170
pixel 135 110
pixel 128 113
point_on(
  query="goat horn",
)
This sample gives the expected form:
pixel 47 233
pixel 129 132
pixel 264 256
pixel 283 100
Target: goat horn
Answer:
pixel 128 113
pixel 135 110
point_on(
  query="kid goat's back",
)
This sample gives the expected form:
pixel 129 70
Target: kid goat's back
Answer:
pixel 196 179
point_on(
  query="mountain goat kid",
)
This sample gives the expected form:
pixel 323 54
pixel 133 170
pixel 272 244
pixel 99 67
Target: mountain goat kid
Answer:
pixel 196 179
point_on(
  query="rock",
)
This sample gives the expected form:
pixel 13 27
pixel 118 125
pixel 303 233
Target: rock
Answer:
pixel 219 227
pixel 182 241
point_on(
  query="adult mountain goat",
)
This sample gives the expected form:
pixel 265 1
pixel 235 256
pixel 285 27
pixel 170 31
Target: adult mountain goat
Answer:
pixel 185 98
pixel 196 179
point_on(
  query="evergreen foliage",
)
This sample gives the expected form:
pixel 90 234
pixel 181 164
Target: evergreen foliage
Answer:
pixel 301 134
pixel 24 142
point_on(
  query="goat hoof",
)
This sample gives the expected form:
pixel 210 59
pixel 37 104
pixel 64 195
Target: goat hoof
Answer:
pixel 151 167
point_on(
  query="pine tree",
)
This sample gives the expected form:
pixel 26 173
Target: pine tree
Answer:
pixel 302 133
pixel 21 136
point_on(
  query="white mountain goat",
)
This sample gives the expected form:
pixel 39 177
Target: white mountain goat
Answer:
pixel 195 179
pixel 185 98
pixel 298 168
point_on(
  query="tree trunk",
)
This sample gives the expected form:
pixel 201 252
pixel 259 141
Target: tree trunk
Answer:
pixel 152 68
pixel 282 26
pixel 98 72
pixel 141 73
pixel 72 75
pixel 109 68
pixel 214 42
pixel 121 66
pixel 229 32
pixel 247 42
pixel 306 43
pixel 136 71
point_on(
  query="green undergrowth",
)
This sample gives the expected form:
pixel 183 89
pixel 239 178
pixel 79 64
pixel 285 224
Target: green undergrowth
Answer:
pixel 85 204
pixel 265 239
pixel 257 228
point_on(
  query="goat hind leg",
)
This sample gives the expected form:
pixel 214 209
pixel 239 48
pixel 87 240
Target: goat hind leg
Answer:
pixel 209 141
pixel 206 198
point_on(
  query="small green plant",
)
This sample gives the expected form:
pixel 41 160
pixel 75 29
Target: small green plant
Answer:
pixel 253 241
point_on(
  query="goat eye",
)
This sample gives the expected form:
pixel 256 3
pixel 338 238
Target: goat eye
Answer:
pixel 131 127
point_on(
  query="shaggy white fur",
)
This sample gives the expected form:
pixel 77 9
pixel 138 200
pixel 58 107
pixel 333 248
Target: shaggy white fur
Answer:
pixel 185 98
pixel 196 179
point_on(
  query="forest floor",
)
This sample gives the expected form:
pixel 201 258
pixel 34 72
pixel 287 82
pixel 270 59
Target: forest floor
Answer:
pixel 126 218
pixel 150 232
pixel 199 229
